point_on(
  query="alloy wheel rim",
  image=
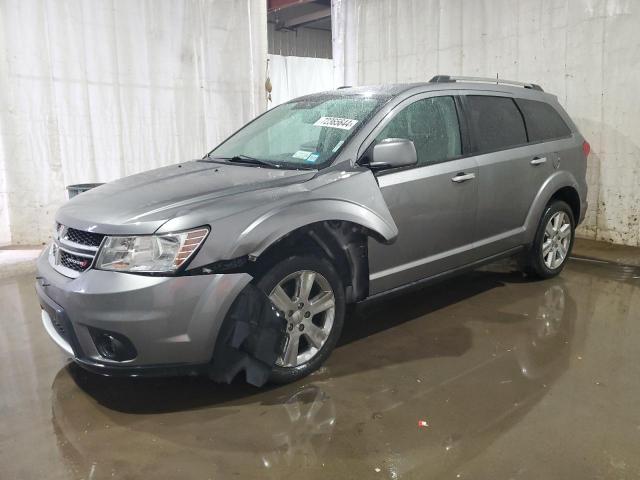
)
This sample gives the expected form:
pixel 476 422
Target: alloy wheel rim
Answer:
pixel 556 240
pixel 306 300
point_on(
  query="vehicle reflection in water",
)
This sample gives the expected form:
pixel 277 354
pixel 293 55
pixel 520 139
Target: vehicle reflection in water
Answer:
pixel 99 441
pixel 309 423
pixel 472 406
pixel 534 349
pixel 340 417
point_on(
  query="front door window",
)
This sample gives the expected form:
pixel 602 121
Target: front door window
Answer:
pixel 432 125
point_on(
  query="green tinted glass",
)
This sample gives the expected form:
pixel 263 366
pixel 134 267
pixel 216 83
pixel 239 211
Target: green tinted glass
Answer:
pixel 306 133
pixel 432 125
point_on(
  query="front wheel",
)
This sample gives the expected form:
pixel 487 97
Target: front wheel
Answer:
pixel 554 239
pixel 309 294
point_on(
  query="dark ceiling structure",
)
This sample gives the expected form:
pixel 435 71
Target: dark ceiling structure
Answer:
pixel 292 14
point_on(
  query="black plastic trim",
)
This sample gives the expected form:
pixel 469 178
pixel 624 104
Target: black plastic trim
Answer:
pixel 423 282
pixel 57 313
pixel 163 370
pixel 463 125
pixel 233 265
pixel 127 352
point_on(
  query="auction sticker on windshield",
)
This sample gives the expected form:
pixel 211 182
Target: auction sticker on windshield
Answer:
pixel 336 122
pixel 301 154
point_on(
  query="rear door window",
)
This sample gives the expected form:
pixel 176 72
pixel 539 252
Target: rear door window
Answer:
pixel 496 123
pixel 432 125
pixel 543 121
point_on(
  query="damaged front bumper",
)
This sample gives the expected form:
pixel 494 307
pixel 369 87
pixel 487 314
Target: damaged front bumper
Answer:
pixel 116 323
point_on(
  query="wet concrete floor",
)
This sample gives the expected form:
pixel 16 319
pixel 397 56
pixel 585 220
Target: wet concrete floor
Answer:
pixel 513 379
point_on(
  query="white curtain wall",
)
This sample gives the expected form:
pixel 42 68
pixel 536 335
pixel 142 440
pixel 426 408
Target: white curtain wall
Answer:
pixel 293 77
pixel 344 38
pixel 91 91
pixel 585 51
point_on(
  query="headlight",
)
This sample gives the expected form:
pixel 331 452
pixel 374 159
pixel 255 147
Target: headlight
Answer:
pixel 149 253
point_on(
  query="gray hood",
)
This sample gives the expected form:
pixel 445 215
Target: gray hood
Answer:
pixel 141 203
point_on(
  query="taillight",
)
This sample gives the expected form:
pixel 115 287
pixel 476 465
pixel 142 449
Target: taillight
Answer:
pixel 586 148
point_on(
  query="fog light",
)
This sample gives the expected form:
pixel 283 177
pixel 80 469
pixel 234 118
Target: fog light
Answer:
pixel 113 346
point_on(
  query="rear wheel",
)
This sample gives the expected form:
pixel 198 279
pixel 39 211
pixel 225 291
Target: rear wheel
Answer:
pixel 554 239
pixel 309 294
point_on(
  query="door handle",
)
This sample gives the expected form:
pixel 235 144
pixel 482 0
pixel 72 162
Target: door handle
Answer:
pixel 538 161
pixel 463 177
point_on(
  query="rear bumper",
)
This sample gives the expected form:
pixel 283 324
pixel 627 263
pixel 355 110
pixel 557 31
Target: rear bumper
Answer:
pixel 173 322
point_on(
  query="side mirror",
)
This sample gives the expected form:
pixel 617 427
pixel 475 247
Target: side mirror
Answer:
pixel 393 153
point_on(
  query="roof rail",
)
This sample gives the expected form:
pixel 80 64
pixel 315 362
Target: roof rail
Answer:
pixel 497 81
pixel 343 86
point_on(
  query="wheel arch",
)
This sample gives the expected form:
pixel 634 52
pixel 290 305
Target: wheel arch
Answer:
pixel 570 196
pixel 343 243
pixel 561 185
pixel 277 223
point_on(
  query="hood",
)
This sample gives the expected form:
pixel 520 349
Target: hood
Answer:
pixel 141 203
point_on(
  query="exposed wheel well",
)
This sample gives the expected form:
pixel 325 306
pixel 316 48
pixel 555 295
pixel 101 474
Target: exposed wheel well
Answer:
pixel 342 243
pixel 571 197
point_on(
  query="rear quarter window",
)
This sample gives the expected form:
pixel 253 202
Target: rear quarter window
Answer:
pixel 496 123
pixel 543 121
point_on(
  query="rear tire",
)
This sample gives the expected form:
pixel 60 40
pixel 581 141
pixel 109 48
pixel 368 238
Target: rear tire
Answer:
pixel 553 241
pixel 309 293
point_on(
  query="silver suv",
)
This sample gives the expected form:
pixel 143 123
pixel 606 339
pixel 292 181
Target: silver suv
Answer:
pixel 245 260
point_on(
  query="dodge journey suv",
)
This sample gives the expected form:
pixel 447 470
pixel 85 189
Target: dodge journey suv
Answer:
pixel 243 262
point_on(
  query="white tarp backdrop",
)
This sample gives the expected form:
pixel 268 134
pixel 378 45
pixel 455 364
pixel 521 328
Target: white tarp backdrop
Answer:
pixel 344 37
pixel 585 51
pixel 293 77
pixel 95 90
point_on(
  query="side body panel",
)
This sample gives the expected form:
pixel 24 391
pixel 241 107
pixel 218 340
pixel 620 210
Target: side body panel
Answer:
pixel 513 181
pixel 435 217
pixel 441 231
pixel 507 185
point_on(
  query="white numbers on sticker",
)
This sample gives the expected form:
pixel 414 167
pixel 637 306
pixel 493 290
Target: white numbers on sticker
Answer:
pixel 336 122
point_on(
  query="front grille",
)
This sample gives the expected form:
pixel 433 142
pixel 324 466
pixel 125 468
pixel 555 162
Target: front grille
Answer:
pixel 74 262
pixel 88 239
pixel 73 250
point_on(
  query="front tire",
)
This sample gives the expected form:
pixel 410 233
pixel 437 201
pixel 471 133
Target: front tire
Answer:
pixel 309 293
pixel 553 241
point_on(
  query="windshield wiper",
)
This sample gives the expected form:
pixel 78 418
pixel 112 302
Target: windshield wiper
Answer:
pixel 246 159
pixel 241 159
pixel 250 160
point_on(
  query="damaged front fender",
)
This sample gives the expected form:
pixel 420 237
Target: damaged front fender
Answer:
pixel 351 196
pixel 340 195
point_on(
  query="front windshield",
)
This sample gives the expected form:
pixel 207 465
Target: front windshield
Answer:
pixel 300 134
